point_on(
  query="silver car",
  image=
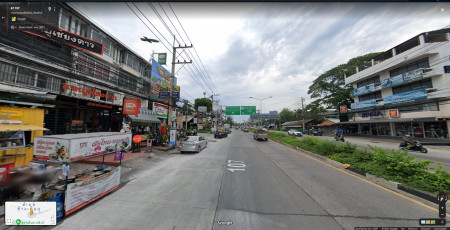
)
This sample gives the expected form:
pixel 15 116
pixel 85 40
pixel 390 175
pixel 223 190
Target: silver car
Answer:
pixel 192 144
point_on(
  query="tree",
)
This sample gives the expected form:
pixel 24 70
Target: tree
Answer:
pixel 203 102
pixel 330 89
pixel 229 120
pixel 286 115
pixel 187 108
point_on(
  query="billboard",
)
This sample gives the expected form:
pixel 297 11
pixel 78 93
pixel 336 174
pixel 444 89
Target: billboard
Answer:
pixel 406 96
pixel 160 110
pixel 160 77
pixel 364 89
pixel 393 81
pixel 364 104
pixel 131 106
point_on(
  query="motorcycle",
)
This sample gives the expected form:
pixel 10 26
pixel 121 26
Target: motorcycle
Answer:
pixel 416 147
pixel 339 137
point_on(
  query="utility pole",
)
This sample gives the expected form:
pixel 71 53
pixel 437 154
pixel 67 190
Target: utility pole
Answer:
pixel 212 109
pixel 303 115
pixel 171 102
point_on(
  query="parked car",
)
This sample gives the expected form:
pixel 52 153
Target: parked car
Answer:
pixel 245 129
pixel 220 134
pixel 192 144
pixel 295 133
pixel 260 134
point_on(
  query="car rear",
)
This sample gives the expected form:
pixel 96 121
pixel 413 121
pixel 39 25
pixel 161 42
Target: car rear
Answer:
pixel 189 144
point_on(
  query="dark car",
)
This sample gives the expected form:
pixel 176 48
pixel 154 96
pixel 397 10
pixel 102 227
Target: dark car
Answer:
pixel 220 134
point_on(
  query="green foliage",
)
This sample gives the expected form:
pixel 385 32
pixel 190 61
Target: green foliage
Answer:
pixel 203 102
pixel 286 115
pixel 330 89
pixel 395 165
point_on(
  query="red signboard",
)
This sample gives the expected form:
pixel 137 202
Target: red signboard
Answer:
pixel 394 113
pixel 131 106
pixel 343 109
pixel 137 138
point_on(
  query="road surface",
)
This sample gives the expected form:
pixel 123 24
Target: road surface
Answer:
pixel 240 183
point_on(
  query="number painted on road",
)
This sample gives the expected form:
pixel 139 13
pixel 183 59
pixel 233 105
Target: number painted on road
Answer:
pixel 234 166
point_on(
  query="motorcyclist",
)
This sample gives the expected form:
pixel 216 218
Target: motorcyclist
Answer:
pixel 408 140
pixel 338 134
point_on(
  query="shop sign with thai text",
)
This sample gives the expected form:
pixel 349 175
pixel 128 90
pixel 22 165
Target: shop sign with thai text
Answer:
pixel 87 92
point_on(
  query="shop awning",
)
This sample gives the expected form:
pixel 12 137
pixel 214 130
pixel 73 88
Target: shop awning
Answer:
pixel 389 120
pixel 20 127
pixel 144 118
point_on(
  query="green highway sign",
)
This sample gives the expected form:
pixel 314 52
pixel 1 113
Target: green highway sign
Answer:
pixel 248 110
pixel 233 110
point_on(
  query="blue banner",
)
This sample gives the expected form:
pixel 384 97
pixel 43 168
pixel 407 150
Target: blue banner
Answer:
pixel 364 89
pixel 364 104
pixel 393 81
pixel 406 96
pixel 413 75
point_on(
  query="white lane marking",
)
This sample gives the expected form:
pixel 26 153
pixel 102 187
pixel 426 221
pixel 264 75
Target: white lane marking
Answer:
pixel 236 165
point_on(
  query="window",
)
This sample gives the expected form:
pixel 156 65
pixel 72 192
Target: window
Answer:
pixel 64 21
pixel 12 139
pixel 88 65
pixel 49 83
pixel 423 63
pixel 432 106
pixel 423 84
pixel 370 96
pixel 447 69
pixel 369 81
pixel 127 82
pixel 26 77
pixel 7 72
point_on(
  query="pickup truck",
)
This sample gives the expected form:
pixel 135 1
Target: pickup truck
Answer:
pixel 260 135
pixel 295 132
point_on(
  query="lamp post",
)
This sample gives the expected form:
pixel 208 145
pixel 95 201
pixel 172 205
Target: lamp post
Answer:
pixel 260 108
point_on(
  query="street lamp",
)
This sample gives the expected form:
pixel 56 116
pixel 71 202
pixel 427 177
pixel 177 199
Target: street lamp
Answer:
pixel 260 108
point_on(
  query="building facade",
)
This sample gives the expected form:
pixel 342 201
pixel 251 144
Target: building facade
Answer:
pixel 405 90
pixel 79 90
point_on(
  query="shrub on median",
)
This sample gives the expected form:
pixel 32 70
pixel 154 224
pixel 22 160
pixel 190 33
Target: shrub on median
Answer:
pixel 395 165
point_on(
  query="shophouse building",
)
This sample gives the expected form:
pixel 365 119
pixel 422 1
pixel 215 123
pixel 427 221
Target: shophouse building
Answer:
pixel 405 90
pixel 74 71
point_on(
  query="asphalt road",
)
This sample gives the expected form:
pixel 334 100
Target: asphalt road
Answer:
pixel 240 183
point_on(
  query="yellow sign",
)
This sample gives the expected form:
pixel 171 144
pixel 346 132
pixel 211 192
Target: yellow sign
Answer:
pixel 9 114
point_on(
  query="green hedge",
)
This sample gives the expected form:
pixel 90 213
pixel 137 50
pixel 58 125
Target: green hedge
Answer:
pixel 395 165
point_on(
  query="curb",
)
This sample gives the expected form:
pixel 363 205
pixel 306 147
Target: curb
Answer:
pixel 395 186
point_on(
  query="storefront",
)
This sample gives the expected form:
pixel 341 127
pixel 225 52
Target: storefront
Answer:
pixel 415 127
pixel 18 128
pixel 74 115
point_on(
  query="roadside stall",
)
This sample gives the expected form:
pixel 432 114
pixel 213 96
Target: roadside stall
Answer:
pixel 77 187
pixel 146 124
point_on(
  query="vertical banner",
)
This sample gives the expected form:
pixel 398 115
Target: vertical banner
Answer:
pixel 173 133
pixel 180 121
pixel 162 57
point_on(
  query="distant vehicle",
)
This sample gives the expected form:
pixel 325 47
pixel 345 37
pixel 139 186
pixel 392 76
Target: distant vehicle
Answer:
pixel 295 133
pixel 220 134
pixel 192 144
pixel 260 134
pixel 245 129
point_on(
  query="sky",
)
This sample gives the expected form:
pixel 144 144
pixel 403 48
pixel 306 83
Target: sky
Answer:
pixel 263 49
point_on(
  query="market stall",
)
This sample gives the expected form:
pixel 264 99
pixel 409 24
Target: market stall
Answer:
pixel 83 185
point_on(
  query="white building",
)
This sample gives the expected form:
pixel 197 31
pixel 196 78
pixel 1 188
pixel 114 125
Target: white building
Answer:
pixel 405 90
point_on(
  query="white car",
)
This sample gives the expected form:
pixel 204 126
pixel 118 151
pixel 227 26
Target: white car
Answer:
pixel 295 132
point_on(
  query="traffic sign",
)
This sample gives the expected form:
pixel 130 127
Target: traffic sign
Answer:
pixel 248 110
pixel 233 110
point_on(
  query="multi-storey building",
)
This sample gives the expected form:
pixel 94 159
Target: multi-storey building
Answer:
pixel 87 87
pixel 405 90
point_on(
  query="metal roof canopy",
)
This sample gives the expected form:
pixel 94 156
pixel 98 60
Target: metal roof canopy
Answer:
pixel 20 127
pixel 144 118
pixel 390 120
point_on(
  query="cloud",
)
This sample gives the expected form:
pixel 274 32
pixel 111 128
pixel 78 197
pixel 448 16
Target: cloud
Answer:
pixel 273 49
